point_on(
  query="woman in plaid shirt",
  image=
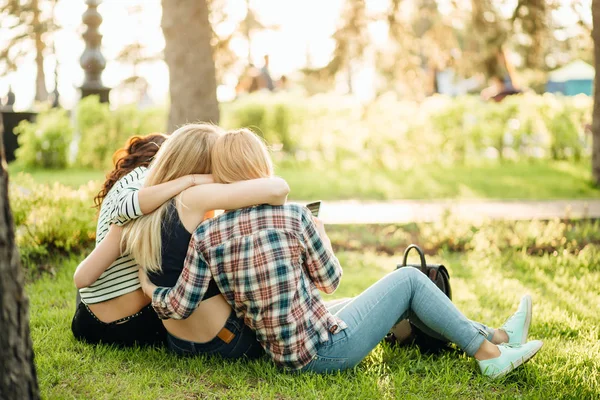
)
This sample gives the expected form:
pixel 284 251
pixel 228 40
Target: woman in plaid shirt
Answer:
pixel 271 262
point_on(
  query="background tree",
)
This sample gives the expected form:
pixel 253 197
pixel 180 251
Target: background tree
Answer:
pixel 136 54
pixel 17 371
pixel 418 45
pixel 596 116
pixel 189 55
pixel 30 23
pixel 351 40
pixel 225 58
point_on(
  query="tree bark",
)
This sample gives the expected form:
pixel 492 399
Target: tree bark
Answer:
pixel 596 115
pixel 18 378
pixel 188 53
pixel 41 93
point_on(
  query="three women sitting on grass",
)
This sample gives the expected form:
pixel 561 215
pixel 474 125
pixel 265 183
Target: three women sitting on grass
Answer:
pixel 247 282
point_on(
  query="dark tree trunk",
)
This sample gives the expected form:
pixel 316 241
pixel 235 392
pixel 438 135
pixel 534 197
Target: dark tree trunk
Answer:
pixel 18 379
pixel 596 116
pixel 188 53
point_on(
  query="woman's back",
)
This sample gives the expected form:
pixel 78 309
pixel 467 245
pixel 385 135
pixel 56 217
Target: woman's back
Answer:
pixel 113 308
pixel 269 261
pixel 211 314
pixel 117 294
pixel 121 277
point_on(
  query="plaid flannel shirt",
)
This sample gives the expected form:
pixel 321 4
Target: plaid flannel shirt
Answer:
pixel 269 263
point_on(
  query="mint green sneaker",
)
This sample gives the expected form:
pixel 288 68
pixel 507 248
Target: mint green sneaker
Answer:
pixel 517 325
pixel 511 357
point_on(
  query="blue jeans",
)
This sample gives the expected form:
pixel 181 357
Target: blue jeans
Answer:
pixel 404 293
pixel 243 345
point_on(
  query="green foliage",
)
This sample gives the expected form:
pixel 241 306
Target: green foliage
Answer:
pixel 339 132
pixel 486 238
pixel 45 143
pixel 102 131
pixel 270 117
pixel 50 220
pixel 96 141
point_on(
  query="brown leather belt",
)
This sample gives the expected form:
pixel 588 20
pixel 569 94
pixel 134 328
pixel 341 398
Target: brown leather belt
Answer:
pixel 226 335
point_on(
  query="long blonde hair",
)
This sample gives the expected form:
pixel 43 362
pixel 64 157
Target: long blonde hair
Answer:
pixel 187 151
pixel 240 155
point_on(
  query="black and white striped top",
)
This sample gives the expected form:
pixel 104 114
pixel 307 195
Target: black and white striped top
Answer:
pixel 120 206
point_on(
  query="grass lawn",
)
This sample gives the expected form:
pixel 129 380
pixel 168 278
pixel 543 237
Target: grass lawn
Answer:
pixel 68 177
pixel 488 280
pixel 523 180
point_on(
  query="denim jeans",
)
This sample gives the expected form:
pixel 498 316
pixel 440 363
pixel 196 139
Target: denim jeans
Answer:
pixel 243 345
pixel 404 293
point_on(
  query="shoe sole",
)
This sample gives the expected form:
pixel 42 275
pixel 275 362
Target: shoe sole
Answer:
pixel 518 362
pixel 527 320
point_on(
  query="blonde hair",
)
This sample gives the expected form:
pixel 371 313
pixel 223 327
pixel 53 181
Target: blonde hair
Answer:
pixel 240 155
pixel 187 151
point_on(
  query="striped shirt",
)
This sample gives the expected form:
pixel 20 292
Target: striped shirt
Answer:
pixel 120 205
pixel 269 263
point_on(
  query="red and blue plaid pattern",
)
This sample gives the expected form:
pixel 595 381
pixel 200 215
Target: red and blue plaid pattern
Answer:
pixel 268 263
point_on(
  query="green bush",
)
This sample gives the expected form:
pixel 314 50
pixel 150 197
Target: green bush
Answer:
pixel 50 219
pixel 45 143
pixel 96 139
pixel 269 117
pixel 102 131
pixel 484 238
pixel 342 133
pixel 391 134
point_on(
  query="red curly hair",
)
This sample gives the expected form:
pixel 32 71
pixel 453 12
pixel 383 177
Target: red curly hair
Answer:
pixel 137 152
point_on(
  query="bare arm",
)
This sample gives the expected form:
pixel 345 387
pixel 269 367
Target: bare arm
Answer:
pixel 135 200
pixel 105 253
pixel 204 198
pixel 152 197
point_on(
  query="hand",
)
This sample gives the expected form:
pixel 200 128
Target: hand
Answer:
pixel 201 179
pixel 320 226
pixel 321 230
pixel 147 286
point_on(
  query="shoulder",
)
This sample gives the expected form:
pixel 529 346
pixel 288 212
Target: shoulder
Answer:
pixel 134 180
pixel 288 211
pixel 135 177
pixel 298 211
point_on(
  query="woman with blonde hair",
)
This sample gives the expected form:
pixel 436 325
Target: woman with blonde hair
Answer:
pixel 269 262
pixel 159 241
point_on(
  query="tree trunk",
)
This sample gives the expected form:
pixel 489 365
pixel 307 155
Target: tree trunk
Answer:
pixel 41 94
pixel 596 116
pixel 188 53
pixel 18 379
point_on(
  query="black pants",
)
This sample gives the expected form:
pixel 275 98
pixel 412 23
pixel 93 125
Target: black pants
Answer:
pixel 143 328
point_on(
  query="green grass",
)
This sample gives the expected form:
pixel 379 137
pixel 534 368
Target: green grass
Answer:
pixel 69 177
pixel 523 180
pixel 487 282
pixel 539 180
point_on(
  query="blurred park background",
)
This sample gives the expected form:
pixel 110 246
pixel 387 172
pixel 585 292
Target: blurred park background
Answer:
pixel 415 99
pixel 364 100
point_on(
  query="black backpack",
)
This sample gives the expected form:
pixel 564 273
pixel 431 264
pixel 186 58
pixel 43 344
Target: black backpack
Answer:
pixel 439 275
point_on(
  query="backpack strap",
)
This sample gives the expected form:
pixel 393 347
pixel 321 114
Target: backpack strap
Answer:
pixel 421 255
